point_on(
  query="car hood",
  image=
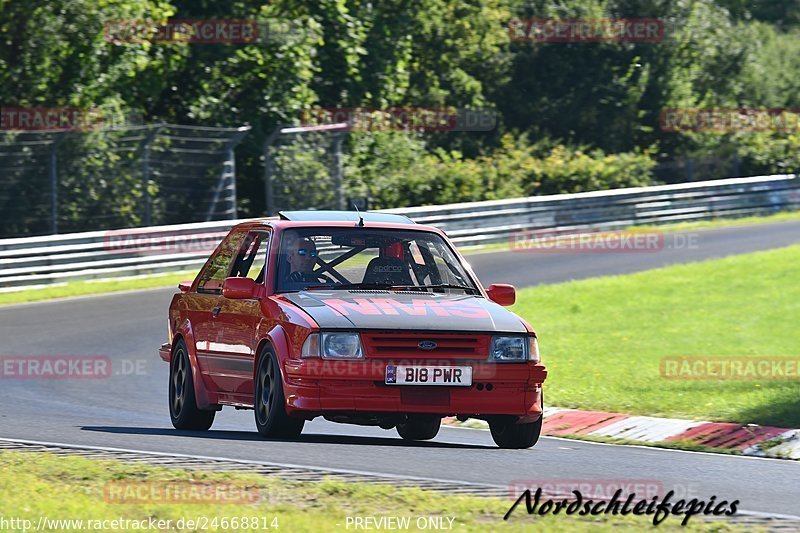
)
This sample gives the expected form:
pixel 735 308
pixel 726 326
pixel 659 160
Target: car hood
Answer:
pixel 418 311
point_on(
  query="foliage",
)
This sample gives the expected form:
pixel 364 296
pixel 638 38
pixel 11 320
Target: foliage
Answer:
pixel 772 153
pixel 591 110
pixel 407 175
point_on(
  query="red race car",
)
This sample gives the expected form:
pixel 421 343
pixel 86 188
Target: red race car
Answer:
pixel 365 319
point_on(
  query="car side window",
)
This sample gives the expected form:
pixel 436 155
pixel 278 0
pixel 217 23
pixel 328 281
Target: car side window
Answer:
pixel 216 271
pixel 251 258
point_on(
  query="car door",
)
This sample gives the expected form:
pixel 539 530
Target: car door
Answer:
pixel 239 320
pixel 203 307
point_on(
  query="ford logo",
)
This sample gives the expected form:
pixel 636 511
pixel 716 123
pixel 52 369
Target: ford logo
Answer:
pixel 427 345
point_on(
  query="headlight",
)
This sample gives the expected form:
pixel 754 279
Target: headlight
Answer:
pixel 510 349
pixel 341 346
pixel 335 345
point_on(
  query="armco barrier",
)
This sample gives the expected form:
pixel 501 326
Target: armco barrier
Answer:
pixel 103 254
pixel 492 221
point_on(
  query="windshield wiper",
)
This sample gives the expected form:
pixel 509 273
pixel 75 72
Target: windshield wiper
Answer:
pixel 347 286
pixel 436 286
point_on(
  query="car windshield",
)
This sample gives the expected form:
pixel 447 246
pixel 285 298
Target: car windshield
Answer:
pixel 364 258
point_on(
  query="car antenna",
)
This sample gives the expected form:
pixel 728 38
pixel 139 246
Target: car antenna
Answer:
pixel 360 218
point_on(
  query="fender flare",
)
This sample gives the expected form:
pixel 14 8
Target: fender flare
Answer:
pixel 200 392
pixel 279 341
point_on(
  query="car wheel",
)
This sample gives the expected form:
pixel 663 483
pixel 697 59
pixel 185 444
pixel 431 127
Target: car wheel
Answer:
pixel 182 404
pixel 508 434
pixel 419 427
pixel 270 402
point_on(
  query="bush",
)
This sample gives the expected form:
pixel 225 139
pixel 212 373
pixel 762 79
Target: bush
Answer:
pixel 394 170
pixel 770 153
pixel 565 170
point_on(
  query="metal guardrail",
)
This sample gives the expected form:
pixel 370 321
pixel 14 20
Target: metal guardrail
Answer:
pixel 477 223
pixel 44 260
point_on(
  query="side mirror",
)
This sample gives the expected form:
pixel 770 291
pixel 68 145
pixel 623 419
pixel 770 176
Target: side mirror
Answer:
pixel 502 294
pixel 185 286
pixel 239 288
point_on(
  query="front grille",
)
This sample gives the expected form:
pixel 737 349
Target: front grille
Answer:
pixel 390 345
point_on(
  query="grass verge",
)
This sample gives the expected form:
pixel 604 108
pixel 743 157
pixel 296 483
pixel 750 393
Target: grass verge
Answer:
pixel 603 338
pixel 83 288
pixel 72 488
pixel 721 223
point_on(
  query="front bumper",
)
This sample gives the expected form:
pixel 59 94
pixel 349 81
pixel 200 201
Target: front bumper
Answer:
pixel 315 386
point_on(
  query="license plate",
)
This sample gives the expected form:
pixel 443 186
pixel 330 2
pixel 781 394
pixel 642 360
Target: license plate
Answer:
pixel 453 376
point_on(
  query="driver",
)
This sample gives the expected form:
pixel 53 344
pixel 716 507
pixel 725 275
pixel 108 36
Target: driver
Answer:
pixel 302 257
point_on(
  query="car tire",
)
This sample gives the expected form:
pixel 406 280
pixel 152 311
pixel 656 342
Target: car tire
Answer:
pixel 419 428
pixel 270 402
pixel 183 408
pixel 507 434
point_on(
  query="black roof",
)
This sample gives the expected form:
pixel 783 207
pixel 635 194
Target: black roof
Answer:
pixel 344 216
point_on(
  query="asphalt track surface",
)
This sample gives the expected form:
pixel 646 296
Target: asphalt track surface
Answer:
pixel 129 409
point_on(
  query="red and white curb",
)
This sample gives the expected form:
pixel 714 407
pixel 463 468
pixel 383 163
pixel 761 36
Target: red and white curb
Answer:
pixel 747 439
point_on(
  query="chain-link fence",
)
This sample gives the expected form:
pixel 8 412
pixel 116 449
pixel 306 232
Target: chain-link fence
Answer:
pixel 132 176
pixel 304 164
pixel 68 181
pixel 303 168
